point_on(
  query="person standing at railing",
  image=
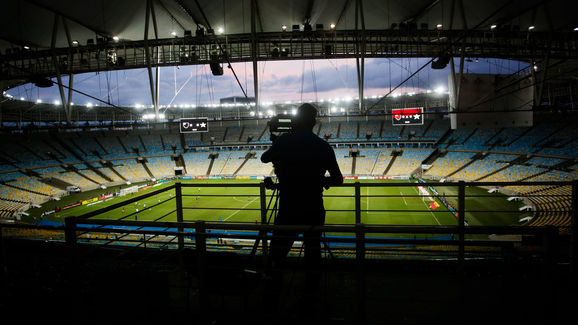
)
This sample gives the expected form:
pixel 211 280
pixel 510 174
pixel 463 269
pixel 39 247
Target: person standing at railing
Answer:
pixel 301 159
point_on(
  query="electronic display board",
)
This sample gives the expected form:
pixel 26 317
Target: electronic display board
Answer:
pixel 407 116
pixel 190 125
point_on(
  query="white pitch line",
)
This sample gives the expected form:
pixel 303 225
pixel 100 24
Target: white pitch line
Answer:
pixel 433 215
pixel 403 198
pixel 234 213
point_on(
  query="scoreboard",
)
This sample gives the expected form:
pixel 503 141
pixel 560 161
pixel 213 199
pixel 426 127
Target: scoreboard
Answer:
pixel 190 125
pixel 407 116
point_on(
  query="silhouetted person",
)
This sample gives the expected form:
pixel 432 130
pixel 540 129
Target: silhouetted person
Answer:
pixel 301 160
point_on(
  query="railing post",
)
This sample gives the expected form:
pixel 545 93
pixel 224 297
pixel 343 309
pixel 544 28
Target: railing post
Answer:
pixel 201 248
pixel 360 258
pixel 574 224
pixel 70 231
pixel 179 208
pixel 3 265
pixel 461 219
pixel 262 233
pixel 357 202
pixel 550 242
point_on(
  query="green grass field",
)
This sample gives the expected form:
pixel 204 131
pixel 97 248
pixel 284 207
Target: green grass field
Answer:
pixel 194 202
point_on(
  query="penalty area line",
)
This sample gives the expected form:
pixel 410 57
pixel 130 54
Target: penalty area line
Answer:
pixel 404 201
pixel 234 213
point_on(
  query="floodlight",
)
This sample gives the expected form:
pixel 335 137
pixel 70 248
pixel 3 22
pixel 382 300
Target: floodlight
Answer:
pixel 283 27
pixel 493 26
pixel 174 33
pixel 439 26
pixel 115 38
pixel 332 26
pixel 440 90
pixel 220 30
pixel 531 27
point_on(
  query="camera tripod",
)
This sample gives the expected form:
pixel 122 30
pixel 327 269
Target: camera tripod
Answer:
pixel 272 212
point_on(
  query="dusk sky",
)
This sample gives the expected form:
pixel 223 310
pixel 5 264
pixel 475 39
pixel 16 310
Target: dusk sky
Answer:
pixel 280 81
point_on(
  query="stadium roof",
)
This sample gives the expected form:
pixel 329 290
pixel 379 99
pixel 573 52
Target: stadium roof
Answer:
pixel 48 38
pixel 30 22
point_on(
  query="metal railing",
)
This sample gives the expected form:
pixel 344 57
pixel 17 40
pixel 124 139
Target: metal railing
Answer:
pixel 355 239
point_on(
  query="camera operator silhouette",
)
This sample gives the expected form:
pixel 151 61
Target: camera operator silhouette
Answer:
pixel 301 160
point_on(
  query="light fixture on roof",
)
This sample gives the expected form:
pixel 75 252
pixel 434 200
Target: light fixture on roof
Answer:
pixel 576 29
pixel 174 33
pixel 493 26
pixel 56 102
pixel 88 104
pixel 22 98
pixel 531 27
pixel 38 101
pixel 26 47
pixel 116 38
pixel 74 43
pixel 439 26
pixel 220 30
pixel 283 27
pixel 332 26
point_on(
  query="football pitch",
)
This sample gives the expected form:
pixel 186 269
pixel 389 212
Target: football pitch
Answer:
pixel 227 204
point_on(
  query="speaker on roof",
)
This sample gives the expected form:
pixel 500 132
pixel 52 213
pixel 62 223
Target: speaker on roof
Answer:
pixel 441 62
pixel 216 69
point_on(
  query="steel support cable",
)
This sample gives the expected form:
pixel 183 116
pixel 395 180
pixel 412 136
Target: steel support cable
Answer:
pixel 225 55
pixel 446 47
pixel 75 90
pixel 177 92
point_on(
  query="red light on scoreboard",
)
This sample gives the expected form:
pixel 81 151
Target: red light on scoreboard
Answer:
pixel 407 116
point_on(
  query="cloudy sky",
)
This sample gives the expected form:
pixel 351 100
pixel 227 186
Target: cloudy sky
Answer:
pixel 279 81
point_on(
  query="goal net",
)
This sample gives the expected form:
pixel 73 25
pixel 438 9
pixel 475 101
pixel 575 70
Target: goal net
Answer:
pixel 125 191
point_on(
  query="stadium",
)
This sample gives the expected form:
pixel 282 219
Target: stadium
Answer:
pixel 132 186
